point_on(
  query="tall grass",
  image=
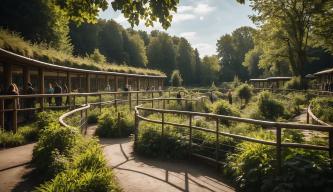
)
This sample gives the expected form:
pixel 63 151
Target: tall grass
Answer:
pixel 13 42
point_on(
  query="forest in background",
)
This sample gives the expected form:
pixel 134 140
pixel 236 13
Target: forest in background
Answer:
pixel 296 41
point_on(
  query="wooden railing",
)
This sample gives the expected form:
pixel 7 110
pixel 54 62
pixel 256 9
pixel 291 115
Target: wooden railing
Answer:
pixel 314 119
pixel 277 126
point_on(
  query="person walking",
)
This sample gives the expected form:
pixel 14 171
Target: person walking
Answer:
pixel 230 97
pixel 29 102
pixel 58 90
pixel 50 90
pixel 10 104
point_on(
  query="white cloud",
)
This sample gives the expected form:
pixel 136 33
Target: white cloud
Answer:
pixel 184 8
pixel 190 35
pixel 203 9
pixel 179 17
pixel 202 18
pixel 120 18
pixel 205 49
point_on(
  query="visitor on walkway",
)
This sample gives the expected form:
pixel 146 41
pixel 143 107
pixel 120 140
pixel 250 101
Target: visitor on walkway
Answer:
pixel 50 90
pixel 58 90
pixel 10 104
pixel 65 90
pixel 29 102
pixel 212 97
pixel 230 97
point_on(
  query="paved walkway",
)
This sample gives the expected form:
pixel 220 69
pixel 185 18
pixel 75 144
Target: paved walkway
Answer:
pixel 15 169
pixel 137 174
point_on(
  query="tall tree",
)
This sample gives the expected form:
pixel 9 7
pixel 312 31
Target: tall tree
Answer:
pixel 210 69
pixel 185 61
pixel 198 67
pixel 135 48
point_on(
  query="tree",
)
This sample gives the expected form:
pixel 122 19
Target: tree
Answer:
pixel 161 53
pixel 97 57
pixel 185 60
pixel 135 48
pixel 111 41
pixel 198 67
pixel 147 10
pixel 176 78
pixel 231 51
pixel 290 23
pixel 244 92
pixel 251 62
pixel 209 69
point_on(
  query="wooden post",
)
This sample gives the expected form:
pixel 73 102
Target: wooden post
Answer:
pixel 87 82
pixel 69 82
pixel 278 149
pixel 130 100
pixel 116 83
pixel 74 104
pixel 15 114
pixel 152 99
pixel 26 77
pixel 137 98
pixel 162 123
pixel 7 72
pixel 115 101
pixel 217 142
pixel 136 128
pixel 191 133
pixel 2 116
pixel 41 87
pixel 307 116
pixel 100 103
pixel 138 84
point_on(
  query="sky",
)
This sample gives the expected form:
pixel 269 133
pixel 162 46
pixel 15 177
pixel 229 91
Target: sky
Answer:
pixel 201 22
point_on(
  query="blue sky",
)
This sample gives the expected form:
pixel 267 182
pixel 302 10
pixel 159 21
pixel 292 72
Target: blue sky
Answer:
pixel 202 22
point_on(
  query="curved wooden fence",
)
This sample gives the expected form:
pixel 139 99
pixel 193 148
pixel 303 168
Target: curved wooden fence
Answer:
pixel 314 118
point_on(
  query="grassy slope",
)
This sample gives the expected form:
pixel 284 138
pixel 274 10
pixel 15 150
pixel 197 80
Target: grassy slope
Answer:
pixel 13 42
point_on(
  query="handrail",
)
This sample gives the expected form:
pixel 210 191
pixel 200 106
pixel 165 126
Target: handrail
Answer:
pixel 65 115
pixel 314 117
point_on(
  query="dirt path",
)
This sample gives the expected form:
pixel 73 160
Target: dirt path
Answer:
pixel 136 174
pixel 15 169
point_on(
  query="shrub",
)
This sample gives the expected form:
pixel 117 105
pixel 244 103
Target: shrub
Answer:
pixel 323 108
pixel 115 124
pixel 53 146
pixel 153 144
pixel 92 117
pixel 47 117
pixel 24 134
pixel 176 79
pixel 222 107
pixel 244 91
pixel 296 83
pixel 297 101
pixel 268 107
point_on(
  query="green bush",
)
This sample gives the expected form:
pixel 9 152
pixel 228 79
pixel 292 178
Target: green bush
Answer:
pixel 47 117
pixel 323 108
pixel 244 92
pixel 115 124
pixel 176 79
pixel 153 144
pixel 92 117
pixel 222 107
pixel 54 144
pixel 24 135
pixel 268 107
pixel 296 83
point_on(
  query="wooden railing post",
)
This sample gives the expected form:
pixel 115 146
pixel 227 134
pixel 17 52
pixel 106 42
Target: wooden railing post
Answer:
pixel 152 99
pixel 307 116
pixel 278 149
pixel 100 103
pixel 137 98
pixel 74 102
pixel 330 145
pixel 15 114
pixel 115 101
pixel 130 100
pixel 2 115
pixel 217 141
pixel 162 123
pixel 136 128
pixel 191 134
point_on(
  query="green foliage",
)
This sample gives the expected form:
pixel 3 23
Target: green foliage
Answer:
pixel 244 91
pixel 47 117
pixel 115 124
pixel 268 107
pixel 54 144
pixel 222 107
pixel 185 60
pixel 92 117
pixel 149 11
pixel 153 144
pixel 24 135
pixel 97 57
pixel 295 83
pixel 209 69
pixel 176 79
pixel 13 42
pixel 323 108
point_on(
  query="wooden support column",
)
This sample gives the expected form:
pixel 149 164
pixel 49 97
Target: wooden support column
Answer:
pixel 87 83
pixel 41 86
pixel 138 84
pixel 116 83
pixel 69 82
pixel 26 76
pixel 126 81
pixel 7 72
pixel 148 83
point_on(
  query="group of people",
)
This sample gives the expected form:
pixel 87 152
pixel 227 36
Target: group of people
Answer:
pixel 55 88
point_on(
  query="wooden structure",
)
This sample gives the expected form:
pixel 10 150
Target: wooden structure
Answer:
pixel 324 80
pixel 18 69
pixel 270 82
